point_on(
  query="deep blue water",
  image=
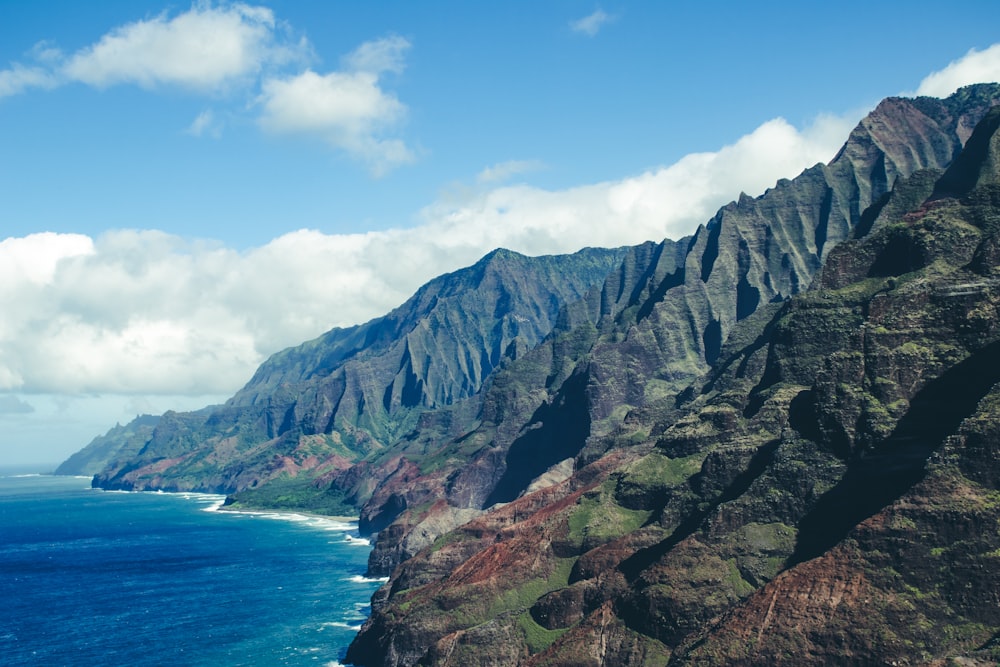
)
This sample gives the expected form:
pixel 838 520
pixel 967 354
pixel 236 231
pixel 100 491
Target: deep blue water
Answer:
pixel 100 578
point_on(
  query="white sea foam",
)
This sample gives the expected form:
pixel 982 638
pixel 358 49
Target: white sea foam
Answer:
pixel 213 501
pixel 358 579
pixel 312 521
pixel 214 506
pixel 340 624
pixel 357 541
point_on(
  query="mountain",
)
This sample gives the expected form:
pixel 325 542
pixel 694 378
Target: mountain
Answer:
pixel 618 359
pixel 102 451
pixel 351 392
pixel 825 493
pixel 679 429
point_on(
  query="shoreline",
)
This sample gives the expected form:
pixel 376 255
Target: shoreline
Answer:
pixel 222 507
pixel 305 513
pixel 216 503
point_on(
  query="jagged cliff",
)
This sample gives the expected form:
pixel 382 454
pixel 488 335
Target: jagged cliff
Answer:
pixel 121 442
pixel 825 494
pixel 352 392
pixel 656 324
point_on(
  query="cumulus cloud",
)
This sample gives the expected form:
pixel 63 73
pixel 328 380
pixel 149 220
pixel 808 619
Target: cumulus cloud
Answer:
pixel 203 48
pixel 590 25
pixel 974 67
pixel 212 49
pixel 503 171
pixel 32 260
pixel 146 313
pixel 348 109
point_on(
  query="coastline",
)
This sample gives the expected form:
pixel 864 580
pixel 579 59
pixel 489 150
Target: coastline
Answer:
pixel 216 502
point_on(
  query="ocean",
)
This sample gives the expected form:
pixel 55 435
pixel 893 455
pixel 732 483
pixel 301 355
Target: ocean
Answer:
pixel 103 578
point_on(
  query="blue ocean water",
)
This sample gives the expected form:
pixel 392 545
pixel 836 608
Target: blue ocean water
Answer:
pixel 101 578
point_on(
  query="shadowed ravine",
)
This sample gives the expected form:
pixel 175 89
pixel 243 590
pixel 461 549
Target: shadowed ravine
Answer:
pixel 879 477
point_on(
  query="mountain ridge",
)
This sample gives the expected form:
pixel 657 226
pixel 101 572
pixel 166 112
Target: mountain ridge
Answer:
pixel 350 391
pixel 661 457
pixel 642 345
pixel 818 499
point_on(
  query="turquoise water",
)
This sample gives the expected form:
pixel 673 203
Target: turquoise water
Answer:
pixel 102 578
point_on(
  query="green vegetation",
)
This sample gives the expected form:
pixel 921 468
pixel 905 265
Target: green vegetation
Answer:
pixel 653 476
pixel 656 469
pixel 599 519
pixel 525 594
pixel 536 637
pixel 293 493
pixel 735 581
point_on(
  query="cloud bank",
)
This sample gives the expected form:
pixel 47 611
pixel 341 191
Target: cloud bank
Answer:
pixel 146 313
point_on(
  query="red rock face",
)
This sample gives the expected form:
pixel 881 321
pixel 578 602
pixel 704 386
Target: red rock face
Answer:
pixel 907 587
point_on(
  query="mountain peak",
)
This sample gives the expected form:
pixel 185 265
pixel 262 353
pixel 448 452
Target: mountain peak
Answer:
pixel 978 164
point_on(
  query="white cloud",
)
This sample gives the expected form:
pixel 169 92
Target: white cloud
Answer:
pixel 669 201
pixel 974 67
pixel 503 171
pixel 204 123
pixel 32 260
pixel 210 49
pixel 348 102
pixel 592 24
pixel 20 78
pixel 347 109
pixel 146 313
pixel 203 48
pixel 379 55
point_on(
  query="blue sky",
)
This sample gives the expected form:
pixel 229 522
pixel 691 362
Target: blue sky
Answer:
pixel 185 189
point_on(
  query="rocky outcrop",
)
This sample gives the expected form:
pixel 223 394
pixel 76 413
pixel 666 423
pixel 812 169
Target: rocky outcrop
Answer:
pixel 824 494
